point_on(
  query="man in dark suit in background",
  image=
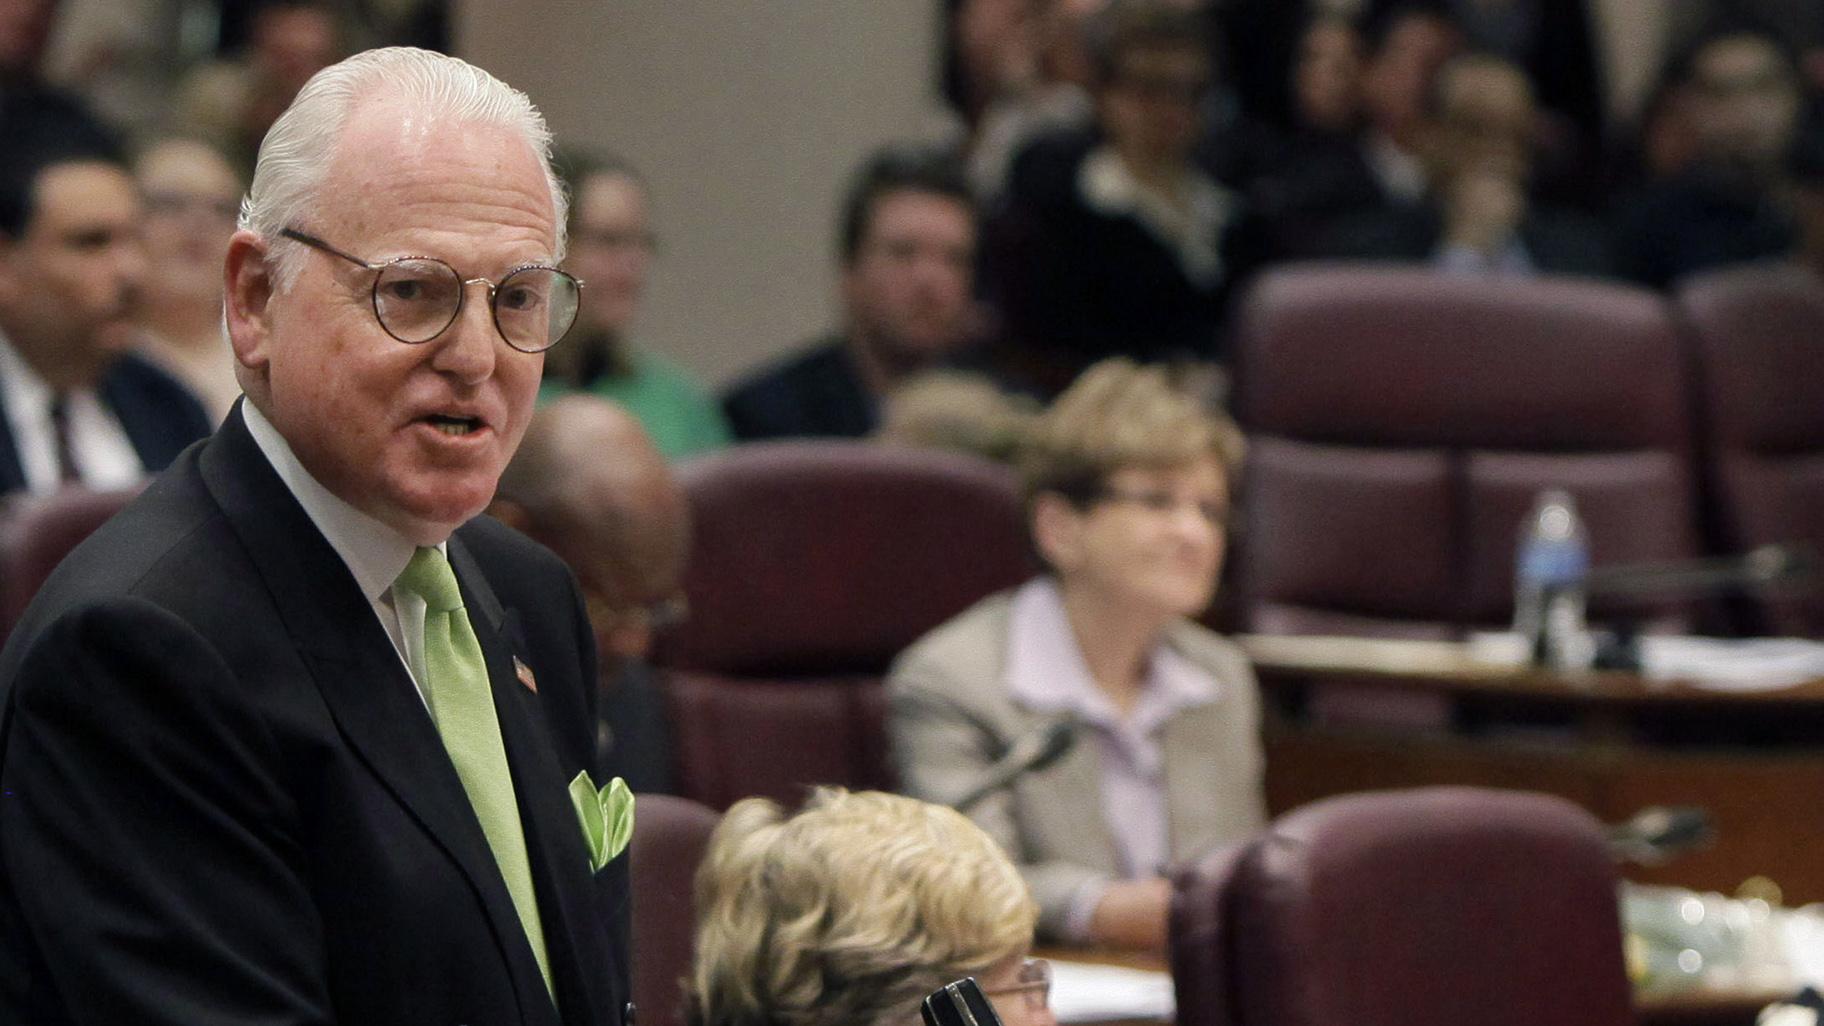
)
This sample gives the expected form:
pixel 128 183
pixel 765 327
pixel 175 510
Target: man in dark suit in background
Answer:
pixel 908 254
pixel 293 739
pixel 1477 215
pixel 75 407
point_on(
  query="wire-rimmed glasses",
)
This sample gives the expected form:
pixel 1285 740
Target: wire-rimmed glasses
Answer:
pixel 416 298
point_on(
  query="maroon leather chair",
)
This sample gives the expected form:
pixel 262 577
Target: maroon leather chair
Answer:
pixel 1402 422
pixel 36 532
pixel 813 564
pixel 1759 338
pixel 1434 907
pixel 670 836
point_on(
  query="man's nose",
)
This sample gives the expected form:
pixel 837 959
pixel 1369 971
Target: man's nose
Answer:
pixel 466 349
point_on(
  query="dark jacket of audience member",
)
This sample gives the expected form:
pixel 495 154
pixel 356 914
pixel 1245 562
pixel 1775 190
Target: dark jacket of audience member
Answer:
pixel 907 246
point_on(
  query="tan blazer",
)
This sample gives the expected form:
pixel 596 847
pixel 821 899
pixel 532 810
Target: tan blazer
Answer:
pixel 952 718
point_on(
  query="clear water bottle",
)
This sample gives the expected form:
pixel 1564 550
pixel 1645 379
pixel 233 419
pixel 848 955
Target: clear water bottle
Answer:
pixel 1550 572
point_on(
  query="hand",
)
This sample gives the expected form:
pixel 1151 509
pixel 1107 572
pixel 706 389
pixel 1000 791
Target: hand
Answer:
pixel 1133 914
pixel 1482 210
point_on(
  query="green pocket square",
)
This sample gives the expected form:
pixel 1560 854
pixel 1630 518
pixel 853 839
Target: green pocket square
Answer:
pixel 606 815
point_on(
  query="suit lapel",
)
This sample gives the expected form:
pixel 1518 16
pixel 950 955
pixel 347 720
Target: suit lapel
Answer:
pixel 364 683
pixel 554 839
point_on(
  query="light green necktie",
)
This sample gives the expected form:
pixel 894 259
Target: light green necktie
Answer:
pixel 462 702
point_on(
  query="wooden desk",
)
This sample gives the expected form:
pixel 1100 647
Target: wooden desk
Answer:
pixel 1611 742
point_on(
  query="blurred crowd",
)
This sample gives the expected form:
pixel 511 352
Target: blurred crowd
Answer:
pixel 1121 169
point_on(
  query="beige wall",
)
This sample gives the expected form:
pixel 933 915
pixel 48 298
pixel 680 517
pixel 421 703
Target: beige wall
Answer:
pixel 747 116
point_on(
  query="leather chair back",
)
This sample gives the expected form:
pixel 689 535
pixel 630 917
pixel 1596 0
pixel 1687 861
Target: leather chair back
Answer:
pixel 813 564
pixel 1432 907
pixel 670 836
pixel 1403 422
pixel 36 532
pixel 1759 338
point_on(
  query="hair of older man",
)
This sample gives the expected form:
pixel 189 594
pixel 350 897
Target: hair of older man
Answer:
pixel 1121 414
pixel 301 145
pixel 848 912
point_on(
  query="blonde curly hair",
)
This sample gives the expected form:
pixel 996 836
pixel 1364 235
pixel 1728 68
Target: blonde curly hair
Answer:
pixel 849 911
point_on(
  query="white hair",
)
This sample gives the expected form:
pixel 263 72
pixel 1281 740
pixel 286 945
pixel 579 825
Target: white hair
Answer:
pixel 297 150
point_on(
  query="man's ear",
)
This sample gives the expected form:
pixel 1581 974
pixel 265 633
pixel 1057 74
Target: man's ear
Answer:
pixel 248 287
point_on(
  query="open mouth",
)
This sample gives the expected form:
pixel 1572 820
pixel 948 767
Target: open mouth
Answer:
pixel 454 426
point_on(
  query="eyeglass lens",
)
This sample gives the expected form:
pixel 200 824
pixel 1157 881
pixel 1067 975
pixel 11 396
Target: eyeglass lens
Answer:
pixel 417 299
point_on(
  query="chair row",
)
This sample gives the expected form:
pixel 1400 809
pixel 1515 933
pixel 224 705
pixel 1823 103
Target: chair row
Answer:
pixel 1402 422
pixel 1432 907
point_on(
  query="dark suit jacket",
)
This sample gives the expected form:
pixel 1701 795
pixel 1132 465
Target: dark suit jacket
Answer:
pixel 1075 285
pixel 816 393
pixel 1557 241
pixel 158 414
pixel 222 800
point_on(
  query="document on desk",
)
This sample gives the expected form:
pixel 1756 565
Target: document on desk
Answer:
pixel 1721 664
pixel 1086 992
pixel 1714 664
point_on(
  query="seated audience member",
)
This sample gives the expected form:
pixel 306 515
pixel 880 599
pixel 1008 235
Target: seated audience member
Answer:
pixel 852 909
pixel 611 249
pixel 958 411
pixel 191 196
pixel 1476 216
pixel 231 103
pixel 1311 114
pixel 1326 77
pixel 1381 163
pixel 588 484
pixel 1032 72
pixel 31 108
pixel 75 408
pixel 1126 247
pixel 1126 483
pixel 1726 206
pixel 908 255
pixel 1553 42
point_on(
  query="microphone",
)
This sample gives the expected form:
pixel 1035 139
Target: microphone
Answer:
pixel 958 1004
pixel 1657 834
pixel 1029 753
pixel 1759 567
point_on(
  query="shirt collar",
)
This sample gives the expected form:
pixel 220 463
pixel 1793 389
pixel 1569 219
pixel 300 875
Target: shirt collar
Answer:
pixel 25 386
pixel 375 553
pixel 1046 672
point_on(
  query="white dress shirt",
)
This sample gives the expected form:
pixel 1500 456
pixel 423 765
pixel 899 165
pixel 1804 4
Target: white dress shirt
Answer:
pixel 99 446
pixel 374 553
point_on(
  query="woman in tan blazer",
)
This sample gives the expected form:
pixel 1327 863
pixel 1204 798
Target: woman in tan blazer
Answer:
pixel 1126 484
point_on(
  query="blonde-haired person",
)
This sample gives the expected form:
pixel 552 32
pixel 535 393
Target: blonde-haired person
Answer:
pixel 1126 485
pixel 852 909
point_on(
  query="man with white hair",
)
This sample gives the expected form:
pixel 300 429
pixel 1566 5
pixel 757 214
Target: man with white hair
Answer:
pixel 295 739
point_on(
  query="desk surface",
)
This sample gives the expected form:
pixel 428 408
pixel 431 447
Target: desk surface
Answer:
pixel 1678 1008
pixel 1448 667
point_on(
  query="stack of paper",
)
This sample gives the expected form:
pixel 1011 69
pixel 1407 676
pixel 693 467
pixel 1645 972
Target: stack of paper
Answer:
pixel 1085 992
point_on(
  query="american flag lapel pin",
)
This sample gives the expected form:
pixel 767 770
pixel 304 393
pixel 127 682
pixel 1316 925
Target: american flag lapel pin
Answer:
pixel 524 673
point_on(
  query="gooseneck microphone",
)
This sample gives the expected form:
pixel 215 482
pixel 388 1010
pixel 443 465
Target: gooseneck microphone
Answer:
pixel 959 1004
pixel 1657 834
pixel 1029 753
pixel 1762 567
